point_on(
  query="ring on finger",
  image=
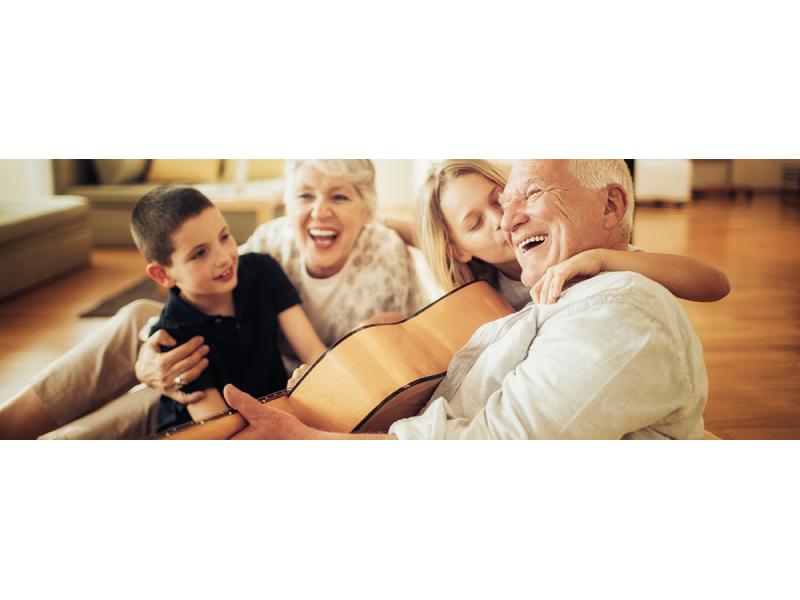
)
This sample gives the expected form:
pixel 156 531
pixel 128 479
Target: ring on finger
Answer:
pixel 178 382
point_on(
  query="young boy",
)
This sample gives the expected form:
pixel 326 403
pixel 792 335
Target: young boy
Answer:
pixel 236 303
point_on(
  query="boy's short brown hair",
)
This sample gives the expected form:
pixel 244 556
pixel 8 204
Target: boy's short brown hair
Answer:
pixel 159 214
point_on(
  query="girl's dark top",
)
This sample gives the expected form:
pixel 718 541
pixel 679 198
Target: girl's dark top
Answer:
pixel 243 350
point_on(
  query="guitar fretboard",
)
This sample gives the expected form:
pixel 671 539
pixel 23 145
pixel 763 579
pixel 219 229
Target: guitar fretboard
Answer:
pixel 226 413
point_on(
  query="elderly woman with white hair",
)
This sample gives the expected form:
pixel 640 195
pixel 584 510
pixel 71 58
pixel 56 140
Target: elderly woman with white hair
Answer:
pixel 348 269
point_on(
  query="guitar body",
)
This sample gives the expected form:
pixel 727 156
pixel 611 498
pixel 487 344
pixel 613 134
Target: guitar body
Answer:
pixel 377 374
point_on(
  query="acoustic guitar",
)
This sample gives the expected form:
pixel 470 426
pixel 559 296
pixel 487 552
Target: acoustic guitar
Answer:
pixel 375 375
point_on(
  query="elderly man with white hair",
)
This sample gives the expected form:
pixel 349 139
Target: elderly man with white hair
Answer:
pixel 616 357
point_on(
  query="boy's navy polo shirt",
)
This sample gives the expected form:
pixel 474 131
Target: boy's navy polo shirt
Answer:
pixel 243 350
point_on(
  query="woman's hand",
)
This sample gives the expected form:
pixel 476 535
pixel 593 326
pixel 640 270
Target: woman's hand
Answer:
pixel 160 370
pixel 383 318
pixel 296 375
pixel 548 289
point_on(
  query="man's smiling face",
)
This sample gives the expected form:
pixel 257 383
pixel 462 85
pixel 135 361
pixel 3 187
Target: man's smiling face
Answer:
pixel 549 216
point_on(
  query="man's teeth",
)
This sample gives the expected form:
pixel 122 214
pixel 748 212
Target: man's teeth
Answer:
pixel 531 240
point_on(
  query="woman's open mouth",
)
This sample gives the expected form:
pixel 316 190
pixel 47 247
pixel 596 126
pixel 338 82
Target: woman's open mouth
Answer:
pixel 532 242
pixel 323 238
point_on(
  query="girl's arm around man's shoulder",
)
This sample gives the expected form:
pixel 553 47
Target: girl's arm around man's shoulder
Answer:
pixel 685 277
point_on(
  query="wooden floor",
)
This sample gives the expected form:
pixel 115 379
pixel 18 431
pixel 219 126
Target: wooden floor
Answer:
pixel 751 339
pixel 38 326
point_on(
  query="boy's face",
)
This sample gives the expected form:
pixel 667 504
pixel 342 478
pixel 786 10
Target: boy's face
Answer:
pixel 206 256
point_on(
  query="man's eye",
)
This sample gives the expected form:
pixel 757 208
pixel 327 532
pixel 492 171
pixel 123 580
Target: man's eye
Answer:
pixel 533 193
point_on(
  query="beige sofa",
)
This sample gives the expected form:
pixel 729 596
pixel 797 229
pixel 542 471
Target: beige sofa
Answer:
pixel 247 192
pixel 41 239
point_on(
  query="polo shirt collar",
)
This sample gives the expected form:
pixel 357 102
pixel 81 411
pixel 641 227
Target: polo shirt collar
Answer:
pixel 181 311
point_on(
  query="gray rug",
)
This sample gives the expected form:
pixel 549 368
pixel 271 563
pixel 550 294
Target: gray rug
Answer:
pixel 143 289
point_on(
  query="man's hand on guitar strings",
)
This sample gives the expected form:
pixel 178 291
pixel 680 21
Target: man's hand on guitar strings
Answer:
pixel 265 423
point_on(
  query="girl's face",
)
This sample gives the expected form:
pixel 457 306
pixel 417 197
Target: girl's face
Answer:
pixel 470 205
pixel 328 214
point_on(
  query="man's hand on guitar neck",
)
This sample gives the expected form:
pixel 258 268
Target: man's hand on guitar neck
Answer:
pixel 266 423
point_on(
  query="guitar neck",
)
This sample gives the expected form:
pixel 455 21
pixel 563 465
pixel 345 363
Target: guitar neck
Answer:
pixel 221 426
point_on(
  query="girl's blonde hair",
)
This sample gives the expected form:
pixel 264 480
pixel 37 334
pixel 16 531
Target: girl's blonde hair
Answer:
pixel 434 235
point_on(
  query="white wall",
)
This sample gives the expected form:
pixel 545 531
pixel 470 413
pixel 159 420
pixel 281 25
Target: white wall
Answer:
pixel 755 173
pixel 23 179
pixel 710 172
pixel 669 180
pixel 759 173
pixel 399 181
pixel 394 181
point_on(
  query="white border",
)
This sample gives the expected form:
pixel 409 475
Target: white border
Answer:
pixel 403 80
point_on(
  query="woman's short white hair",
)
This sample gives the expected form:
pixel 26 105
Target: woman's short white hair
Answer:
pixel 595 174
pixel 359 172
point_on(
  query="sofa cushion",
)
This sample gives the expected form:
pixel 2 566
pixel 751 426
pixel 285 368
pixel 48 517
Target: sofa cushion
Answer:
pixel 25 218
pixel 184 171
pixel 122 194
pixel 41 239
pixel 125 170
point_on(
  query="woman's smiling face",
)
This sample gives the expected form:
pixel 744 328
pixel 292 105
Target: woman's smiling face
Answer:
pixel 327 214
pixel 471 208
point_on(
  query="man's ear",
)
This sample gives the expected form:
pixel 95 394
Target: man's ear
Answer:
pixel 159 274
pixel 616 206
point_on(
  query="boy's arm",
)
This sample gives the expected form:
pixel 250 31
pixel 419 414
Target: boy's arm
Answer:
pixel 211 404
pixel 685 277
pixel 301 335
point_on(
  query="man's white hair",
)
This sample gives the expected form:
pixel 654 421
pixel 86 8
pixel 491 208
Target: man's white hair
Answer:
pixel 360 173
pixel 596 174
